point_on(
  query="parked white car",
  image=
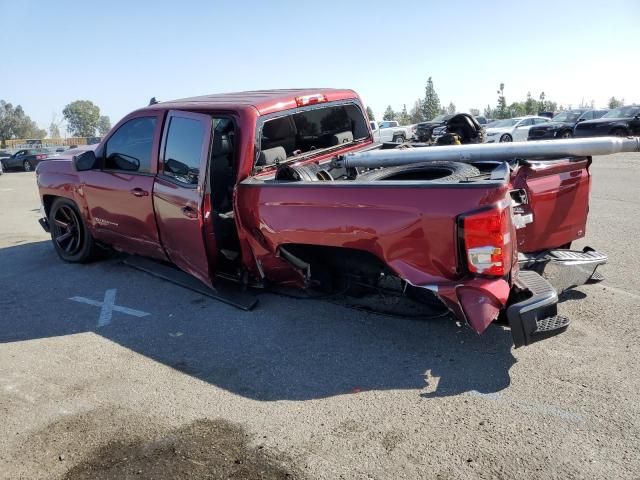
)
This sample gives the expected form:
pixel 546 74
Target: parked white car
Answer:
pixel 391 131
pixel 512 129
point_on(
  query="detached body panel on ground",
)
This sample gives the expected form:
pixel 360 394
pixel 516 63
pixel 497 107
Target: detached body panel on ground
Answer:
pixel 245 187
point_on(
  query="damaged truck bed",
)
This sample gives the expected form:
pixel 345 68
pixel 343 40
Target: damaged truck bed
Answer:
pixel 288 188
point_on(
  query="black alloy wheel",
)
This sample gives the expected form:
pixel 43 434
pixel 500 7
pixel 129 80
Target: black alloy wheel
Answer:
pixel 71 238
pixel 67 230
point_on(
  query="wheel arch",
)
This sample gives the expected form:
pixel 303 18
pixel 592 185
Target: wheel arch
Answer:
pixel 48 199
pixel 619 127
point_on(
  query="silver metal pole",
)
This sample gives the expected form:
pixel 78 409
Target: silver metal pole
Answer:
pixel 535 150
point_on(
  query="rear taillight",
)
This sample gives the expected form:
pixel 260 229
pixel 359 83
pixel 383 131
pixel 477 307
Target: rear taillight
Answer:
pixel 40 157
pixel 487 241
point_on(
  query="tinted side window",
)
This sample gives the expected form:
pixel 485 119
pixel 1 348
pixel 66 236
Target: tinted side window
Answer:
pixel 538 121
pixel 587 115
pixel 130 146
pixel 183 149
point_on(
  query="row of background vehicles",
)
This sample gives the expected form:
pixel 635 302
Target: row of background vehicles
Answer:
pixel 578 122
pixel 26 159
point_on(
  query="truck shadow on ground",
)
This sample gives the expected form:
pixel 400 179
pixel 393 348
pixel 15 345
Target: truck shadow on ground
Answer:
pixel 283 350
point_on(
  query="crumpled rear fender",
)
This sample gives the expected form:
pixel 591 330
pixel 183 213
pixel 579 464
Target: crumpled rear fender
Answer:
pixel 476 301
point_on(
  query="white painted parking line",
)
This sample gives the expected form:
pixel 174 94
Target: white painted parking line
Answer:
pixel 108 306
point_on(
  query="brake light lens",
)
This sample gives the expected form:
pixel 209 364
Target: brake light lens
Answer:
pixel 487 241
pixel 304 100
pixel 40 157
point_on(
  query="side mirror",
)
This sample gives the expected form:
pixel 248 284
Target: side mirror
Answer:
pixel 85 161
pixel 580 120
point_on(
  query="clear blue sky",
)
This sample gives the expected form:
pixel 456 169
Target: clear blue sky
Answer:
pixel 121 53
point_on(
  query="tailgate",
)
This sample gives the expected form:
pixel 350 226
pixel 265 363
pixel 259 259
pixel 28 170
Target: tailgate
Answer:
pixel 557 197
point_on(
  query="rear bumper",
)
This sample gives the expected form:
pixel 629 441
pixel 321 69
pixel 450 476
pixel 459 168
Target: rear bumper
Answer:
pixel 535 318
pixel 565 269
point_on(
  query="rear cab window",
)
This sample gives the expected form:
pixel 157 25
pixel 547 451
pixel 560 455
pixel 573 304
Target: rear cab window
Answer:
pixel 309 130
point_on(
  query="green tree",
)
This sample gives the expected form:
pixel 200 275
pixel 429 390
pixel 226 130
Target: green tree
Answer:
pixel 451 108
pixel 14 123
pixel 82 118
pixel 530 106
pixel 501 110
pixel 615 103
pixel 489 112
pixel 431 105
pixel 54 130
pixel 545 105
pixel 517 109
pixel 104 125
pixel 474 111
pixel 403 117
pixel 370 114
pixel 415 113
pixel 389 114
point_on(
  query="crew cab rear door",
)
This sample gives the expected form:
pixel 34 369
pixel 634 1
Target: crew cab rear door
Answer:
pixel 178 192
pixel 551 200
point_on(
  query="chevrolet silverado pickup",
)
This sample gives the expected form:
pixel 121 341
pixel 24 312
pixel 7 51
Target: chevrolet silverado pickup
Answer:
pixel 287 187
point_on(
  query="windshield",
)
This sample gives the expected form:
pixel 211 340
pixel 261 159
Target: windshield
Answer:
pixel 439 118
pixel 510 122
pixel 314 129
pixel 570 116
pixel 623 112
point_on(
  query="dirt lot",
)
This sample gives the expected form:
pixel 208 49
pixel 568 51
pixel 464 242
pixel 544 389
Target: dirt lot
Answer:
pixel 172 384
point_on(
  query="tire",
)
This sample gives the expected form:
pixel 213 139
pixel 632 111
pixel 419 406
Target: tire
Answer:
pixel 566 134
pixel 71 238
pixel 26 165
pixel 619 132
pixel 427 172
pixel 506 138
pixel 399 139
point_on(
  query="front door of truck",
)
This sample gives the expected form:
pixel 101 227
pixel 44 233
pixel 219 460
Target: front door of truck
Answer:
pixel 118 195
pixel 552 199
pixel 179 191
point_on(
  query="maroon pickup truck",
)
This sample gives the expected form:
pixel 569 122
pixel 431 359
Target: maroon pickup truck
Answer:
pixel 288 187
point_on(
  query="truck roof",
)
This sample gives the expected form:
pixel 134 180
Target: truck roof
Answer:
pixel 265 101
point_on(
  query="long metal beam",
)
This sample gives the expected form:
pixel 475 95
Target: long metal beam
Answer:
pixel 535 150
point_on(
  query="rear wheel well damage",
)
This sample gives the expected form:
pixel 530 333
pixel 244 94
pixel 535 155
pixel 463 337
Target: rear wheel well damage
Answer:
pixel 331 269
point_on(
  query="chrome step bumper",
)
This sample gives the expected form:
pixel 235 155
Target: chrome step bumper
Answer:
pixel 566 269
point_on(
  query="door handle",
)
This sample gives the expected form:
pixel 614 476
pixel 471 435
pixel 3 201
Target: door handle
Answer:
pixel 138 192
pixel 189 212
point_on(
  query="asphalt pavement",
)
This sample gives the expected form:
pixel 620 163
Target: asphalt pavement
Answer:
pixel 108 372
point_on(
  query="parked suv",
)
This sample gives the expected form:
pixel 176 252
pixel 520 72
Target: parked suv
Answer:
pixel 620 122
pixel 561 126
